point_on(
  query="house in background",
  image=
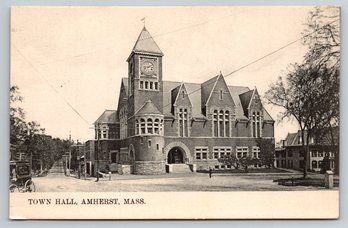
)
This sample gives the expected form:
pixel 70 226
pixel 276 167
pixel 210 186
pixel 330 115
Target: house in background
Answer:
pixel 290 153
pixel 173 126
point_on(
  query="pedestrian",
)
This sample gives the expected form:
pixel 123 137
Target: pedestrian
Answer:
pixel 210 172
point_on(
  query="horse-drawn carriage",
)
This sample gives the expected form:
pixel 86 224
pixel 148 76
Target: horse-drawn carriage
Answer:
pixel 20 177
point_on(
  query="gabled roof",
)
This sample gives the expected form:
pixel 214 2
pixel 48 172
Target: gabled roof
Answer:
pixel 108 116
pixel 194 91
pixel 207 89
pixel 245 99
pixel 125 84
pixel 235 91
pixel 177 92
pixel 266 115
pixel 291 139
pixel 146 44
pixel 148 108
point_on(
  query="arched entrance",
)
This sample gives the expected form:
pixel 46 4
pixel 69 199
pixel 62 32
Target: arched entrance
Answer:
pixel 175 156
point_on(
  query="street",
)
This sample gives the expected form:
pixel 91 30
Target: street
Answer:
pixel 168 182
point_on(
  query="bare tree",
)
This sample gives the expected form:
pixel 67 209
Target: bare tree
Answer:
pixel 309 91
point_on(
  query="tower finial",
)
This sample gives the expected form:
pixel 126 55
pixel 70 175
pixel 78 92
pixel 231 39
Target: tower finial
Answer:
pixel 143 20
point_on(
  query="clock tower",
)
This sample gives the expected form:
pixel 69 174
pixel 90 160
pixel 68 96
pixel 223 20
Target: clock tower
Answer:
pixel 145 74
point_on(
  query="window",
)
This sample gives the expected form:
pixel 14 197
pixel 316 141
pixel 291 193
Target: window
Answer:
pixel 156 126
pixel 183 94
pixel 143 126
pixel 157 146
pixel 137 127
pixel 320 154
pixel 314 153
pixel 289 153
pixel 221 94
pixel 221 123
pixel 149 126
pixel 256 125
pixel 221 152
pixel 123 122
pixel 149 143
pixel 314 164
pixel 256 152
pixel 113 157
pixel 290 164
pixel 201 153
pixel 148 85
pixel 183 122
pixel 242 151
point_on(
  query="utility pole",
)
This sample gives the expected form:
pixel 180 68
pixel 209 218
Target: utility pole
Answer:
pixel 85 161
pixel 69 153
pixel 97 152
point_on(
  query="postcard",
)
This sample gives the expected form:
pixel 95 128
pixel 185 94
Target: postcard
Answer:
pixel 195 112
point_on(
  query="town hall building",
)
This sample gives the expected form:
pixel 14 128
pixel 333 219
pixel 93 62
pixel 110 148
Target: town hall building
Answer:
pixel 166 126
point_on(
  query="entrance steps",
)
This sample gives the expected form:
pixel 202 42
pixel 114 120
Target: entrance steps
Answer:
pixel 178 168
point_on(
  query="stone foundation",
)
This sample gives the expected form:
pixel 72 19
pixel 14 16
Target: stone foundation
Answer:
pixel 149 167
pixel 124 169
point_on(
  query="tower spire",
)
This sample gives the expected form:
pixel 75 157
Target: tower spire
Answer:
pixel 143 20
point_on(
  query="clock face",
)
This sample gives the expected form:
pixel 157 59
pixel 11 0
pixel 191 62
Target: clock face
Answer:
pixel 148 68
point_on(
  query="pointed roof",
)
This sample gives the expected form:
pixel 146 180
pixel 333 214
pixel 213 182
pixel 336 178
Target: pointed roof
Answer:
pixel 125 84
pixel 245 99
pixel 235 92
pixel 148 108
pixel 108 116
pixel 146 44
pixel 207 89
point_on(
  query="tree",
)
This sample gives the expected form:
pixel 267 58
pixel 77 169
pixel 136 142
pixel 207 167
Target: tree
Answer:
pixel 309 92
pixel 231 160
pixel 17 118
pixel 245 162
pixel 267 154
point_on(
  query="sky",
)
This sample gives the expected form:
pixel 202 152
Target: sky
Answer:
pixel 69 60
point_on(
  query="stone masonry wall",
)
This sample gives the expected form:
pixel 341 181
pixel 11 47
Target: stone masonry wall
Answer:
pixel 149 167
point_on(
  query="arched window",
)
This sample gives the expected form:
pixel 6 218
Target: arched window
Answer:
pixel 227 123
pixel 256 124
pixel 215 124
pixel 142 126
pixel 137 127
pixel 161 127
pixel 221 123
pixel 149 126
pixel 156 127
pixel 183 122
